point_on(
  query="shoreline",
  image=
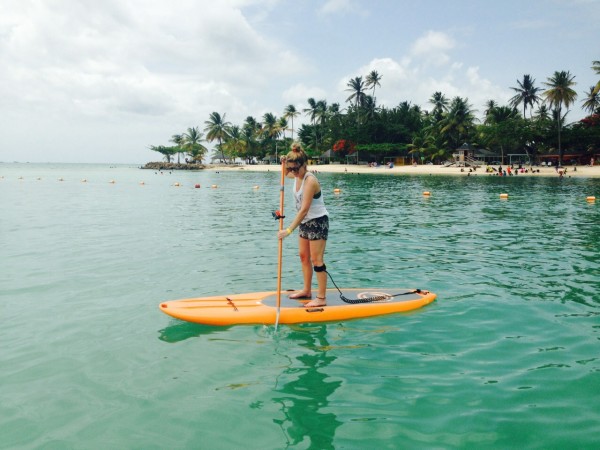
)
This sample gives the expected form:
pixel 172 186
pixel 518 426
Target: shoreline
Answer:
pixel 572 171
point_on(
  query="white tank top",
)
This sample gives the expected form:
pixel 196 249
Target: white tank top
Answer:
pixel 317 206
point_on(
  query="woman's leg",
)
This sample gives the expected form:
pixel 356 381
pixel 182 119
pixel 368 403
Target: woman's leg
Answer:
pixel 307 270
pixel 317 250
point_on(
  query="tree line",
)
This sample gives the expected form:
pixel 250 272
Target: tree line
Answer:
pixel 533 122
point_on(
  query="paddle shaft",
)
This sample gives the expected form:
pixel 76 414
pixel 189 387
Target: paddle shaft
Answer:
pixel 280 256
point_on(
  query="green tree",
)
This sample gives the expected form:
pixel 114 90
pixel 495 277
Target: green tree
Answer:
pixel 178 140
pixel 192 143
pixel 490 105
pixel 591 103
pixel 458 124
pixel 290 112
pixel 440 105
pixel 560 92
pixel 527 94
pixel 167 152
pixel 235 145
pixel 502 129
pixel 596 68
pixel 372 81
pixel 313 113
pixel 251 132
pixel 357 87
pixel 216 128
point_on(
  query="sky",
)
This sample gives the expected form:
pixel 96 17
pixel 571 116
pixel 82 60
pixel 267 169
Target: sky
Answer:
pixel 99 81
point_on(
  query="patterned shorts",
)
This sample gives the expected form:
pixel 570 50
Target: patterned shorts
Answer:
pixel 315 229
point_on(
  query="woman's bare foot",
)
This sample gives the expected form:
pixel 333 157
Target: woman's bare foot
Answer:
pixel 318 301
pixel 300 295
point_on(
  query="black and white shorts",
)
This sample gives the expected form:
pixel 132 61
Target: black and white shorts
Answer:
pixel 315 229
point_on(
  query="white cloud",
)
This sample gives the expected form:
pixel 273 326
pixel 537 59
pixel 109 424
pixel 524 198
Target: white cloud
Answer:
pixel 415 79
pixel 433 48
pixel 132 61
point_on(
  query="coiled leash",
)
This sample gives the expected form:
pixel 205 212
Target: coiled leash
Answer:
pixel 376 298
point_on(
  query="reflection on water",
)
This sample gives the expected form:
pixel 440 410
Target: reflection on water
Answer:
pixel 180 331
pixel 304 389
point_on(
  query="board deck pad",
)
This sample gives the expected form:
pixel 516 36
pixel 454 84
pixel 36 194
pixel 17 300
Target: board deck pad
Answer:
pixel 333 297
pixel 261 307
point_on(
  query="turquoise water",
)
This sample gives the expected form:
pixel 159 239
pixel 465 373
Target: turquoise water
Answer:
pixel 507 357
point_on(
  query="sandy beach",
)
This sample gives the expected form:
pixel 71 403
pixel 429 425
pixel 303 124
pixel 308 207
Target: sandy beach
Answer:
pixel 571 171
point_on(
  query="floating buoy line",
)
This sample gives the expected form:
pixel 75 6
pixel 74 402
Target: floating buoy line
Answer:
pixel 336 191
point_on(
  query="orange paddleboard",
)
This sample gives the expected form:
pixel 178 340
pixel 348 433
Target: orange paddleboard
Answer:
pixel 261 308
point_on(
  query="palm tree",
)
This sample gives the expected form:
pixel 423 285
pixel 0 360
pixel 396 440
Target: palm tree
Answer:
pixel 560 91
pixel 357 87
pixel 527 94
pixel 373 80
pixel 216 128
pixel 596 68
pixel 322 110
pixel 490 105
pixel 178 140
pixel 542 113
pixel 271 130
pixel 313 112
pixel 312 109
pixel 283 126
pixel 251 131
pixel 167 152
pixel 271 127
pixel 290 112
pixel 591 103
pixel 458 124
pixel 191 141
pixel 235 144
pixel 440 105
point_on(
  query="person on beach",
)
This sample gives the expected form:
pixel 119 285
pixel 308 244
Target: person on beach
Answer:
pixel 312 220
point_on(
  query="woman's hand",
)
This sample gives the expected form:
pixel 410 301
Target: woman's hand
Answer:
pixel 283 233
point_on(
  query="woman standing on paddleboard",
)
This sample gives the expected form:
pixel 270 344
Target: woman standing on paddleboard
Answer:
pixel 313 223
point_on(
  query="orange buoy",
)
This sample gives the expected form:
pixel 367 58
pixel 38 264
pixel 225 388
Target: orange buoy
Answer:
pixel 214 186
pixel 255 187
pixel 426 193
pixel 591 198
pixel 503 195
pixel 337 191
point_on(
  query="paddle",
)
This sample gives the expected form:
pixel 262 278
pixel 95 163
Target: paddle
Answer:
pixel 280 258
